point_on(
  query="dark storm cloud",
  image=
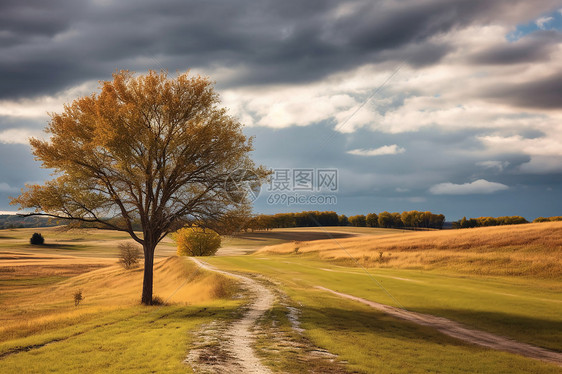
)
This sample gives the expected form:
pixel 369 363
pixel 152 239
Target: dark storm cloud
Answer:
pixel 46 47
pixel 544 93
pixel 34 19
pixel 535 47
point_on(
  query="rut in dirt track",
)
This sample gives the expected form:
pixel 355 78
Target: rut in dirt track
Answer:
pixel 457 330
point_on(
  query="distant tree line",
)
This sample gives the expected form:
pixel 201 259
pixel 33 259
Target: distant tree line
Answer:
pixel 547 219
pixel 410 219
pixel 488 221
pixel 302 219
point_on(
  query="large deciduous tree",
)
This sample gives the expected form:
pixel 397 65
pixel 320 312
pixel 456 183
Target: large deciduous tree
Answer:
pixel 147 151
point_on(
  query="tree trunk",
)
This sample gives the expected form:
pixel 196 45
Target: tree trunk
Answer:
pixel 148 275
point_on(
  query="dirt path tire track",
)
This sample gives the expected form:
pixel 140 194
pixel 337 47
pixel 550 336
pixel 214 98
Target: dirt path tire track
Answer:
pixel 459 331
pixel 239 334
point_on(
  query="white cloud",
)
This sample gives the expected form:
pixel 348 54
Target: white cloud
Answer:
pixel 284 106
pixel 335 99
pixel 8 212
pixel 499 165
pixel 545 152
pixel 480 186
pixel 381 151
pixel 452 94
pixel 39 107
pixel 541 22
pixel 19 136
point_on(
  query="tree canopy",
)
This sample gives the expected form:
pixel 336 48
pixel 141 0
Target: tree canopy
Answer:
pixel 148 151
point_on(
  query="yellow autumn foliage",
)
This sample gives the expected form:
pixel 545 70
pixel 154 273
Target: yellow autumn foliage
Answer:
pixel 196 241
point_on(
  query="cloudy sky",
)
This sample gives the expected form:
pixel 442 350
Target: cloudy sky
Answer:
pixel 448 106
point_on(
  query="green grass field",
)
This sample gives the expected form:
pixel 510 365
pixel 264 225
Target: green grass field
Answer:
pixel 514 308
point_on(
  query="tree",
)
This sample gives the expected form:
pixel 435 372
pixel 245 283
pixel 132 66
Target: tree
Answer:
pixel 129 255
pixel 358 220
pixel 372 220
pixel 197 241
pixel 148 150
pixel 36 239
pixel 396 220
pixel 385 219
pixel 343 220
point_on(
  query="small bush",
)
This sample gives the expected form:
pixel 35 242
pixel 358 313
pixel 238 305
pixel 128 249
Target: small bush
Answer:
pixel 129 255
pixel 37 239
pixel 78 297
pixel 196 241
pixel 157 300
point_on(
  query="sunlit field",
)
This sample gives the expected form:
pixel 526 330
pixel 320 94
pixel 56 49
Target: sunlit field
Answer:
pixel 452 274
pixel 531 250
pixel 39 315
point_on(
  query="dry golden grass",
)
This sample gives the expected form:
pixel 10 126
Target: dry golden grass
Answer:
pixel 523 250
pixel 36 298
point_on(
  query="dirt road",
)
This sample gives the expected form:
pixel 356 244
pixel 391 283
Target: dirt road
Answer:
pixel 236 340
pixel 459 331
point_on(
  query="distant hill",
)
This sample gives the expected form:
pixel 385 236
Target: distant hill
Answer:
pixel 11 221
pixel 532 249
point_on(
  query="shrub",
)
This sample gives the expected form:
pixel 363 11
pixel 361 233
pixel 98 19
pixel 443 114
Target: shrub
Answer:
pixel 37 239
pixel 197 241
pixel 78 297
pixel 129 255
pixel 157 300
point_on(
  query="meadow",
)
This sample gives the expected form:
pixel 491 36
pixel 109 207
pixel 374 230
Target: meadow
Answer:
pixel 529 250
pixel 42 329
pixel 452 274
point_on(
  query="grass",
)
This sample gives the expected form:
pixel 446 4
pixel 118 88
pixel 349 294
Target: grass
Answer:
pixel 36 306
pixel 250 242
pixel 371 341
pixel 284 350
pixel 533 250
pixel 89 243
pixel 136 339
pixel 42 330
pixel 489 279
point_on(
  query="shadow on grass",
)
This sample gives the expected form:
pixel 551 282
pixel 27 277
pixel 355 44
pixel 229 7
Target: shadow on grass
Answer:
pixel 64 247
pixel 536 331
pixel 294 235
pixel 381 325
pixel 542 332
